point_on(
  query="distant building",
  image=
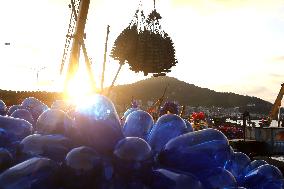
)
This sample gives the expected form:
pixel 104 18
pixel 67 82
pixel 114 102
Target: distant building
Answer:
pixel 251 105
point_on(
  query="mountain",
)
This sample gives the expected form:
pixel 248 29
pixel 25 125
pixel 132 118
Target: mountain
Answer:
pixel 152 89
pixel 186 94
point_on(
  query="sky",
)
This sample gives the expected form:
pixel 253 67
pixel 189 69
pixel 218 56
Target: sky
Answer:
pixel 224 45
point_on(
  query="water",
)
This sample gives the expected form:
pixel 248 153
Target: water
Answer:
pixel 274 123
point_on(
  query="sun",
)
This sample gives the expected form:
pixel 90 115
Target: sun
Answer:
pixel 79 87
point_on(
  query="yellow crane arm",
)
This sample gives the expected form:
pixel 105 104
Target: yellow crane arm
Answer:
pixel 274 110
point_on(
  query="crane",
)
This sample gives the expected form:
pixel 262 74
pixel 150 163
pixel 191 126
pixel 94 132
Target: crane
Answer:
pixel 276 106
pixel 76 35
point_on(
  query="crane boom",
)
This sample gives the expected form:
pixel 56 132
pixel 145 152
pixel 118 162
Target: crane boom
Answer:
pixel 275 108
pixel 78 39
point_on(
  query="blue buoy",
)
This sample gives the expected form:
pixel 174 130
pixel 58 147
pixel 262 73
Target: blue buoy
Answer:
pixel 6 159
pixel 35 106
pixel 133 158
pixel 54 122
pixel 98 124
pixel 237 164
pixel 3 108
pixel 23 114
pixel 37 173
pixel 54 147
pixel 261 176
pixel 83 159
pixel 166 128
pixel 196 151
pixel 138 124
pixel 166 179
pixel 14 129
pixel 217 178
pixel 13 108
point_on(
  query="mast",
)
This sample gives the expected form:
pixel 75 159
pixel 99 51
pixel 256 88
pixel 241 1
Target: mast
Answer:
pixel 104 64
pixel 78 42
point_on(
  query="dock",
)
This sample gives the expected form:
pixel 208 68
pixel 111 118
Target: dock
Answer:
pixel 263 144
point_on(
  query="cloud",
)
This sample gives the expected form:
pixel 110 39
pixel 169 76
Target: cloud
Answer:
pixel 265 93
pixel 219 5
pixel 228 2
pixel 276 76
pixel 258 90
pixel 278 59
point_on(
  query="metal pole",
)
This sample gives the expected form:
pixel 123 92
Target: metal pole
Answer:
pixel 278 116
pixel 244 126
pixel 112 84
pixel 104 64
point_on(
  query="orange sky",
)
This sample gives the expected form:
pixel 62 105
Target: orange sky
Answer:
pixel 221 45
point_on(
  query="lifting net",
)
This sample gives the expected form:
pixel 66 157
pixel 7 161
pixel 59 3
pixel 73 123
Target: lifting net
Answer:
pixel 144 45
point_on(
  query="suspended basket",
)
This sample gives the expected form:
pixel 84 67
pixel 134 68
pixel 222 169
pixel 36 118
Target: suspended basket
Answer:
pixel 145 46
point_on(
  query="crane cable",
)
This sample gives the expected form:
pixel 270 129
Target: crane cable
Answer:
pixel 75 4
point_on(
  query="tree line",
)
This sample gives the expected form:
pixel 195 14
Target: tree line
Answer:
pixel 16 97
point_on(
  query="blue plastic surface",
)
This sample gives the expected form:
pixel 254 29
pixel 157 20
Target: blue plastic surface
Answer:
pixel 83 159
pixel 34 173
pixel 166 128
pixel 238 164
pixel 133 159
pixel 54 122
pixel 189 127
pixel 14 129
pixel 3 108
pixel 259 177
pixel 23 114
pixel 196 151
pixel 6 159
pixel 133 149
pixel 142 154
pixel 273 184
pixel 217 178
pixel 13 108
pixel 166 179
pixel 35 106
pixel 127 112
pixel 138 124
pixel 54 147
pixel 253 165
pixel 98 124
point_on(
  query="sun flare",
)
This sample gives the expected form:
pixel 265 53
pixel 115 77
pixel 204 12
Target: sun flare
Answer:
pixel 79 87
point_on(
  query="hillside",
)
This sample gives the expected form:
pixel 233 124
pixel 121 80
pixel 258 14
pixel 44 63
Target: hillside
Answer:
pixel 186 94
pixel 151 89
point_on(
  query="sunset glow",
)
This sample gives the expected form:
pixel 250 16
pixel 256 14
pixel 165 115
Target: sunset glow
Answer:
pixel 79 87
pixel 221 45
